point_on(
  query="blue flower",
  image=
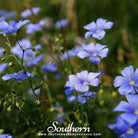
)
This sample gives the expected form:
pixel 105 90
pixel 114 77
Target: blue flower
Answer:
pixel 71 98
pixel 5 15
pixel 6 136
pixel 97 29
pixel 17 76
pixel 130 107
pixel 26 13
pixel 127 128
pixel 24 43
pixel 33 60
pixel 58 76
pixel 12 27
pixel 128 82
pixel 86 96
pixel 31 28
pixel 72 53
pixel 83 98
pixel 60 114
pixel 94 52
pixel 49 67
pixel 81 81
pixel 61 23
pixel 3 66
pixel 1 52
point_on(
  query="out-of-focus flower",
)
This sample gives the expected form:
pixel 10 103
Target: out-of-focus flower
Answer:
pixel 31 28
pixel 97 29
pixel 130 107
pixel 12 27
pixel 6 15
pixel 26 13
pixel 81 81
pixel 21 75
pixel 33 60
pixel 6 136
pixel 30 57
pixel 126 127
pixel 58 76
pixel 61 23
pixel 24 43
pixel 83 98
pixel 46 23
pixel 71 98
pixel 94 52
pixel 1 52
pixel 60 113
pixel 49 67
pixel 86 96
pixel 3 66
pixel 72 53
pixel 128 82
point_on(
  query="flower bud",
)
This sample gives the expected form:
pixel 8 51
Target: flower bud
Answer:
pixel 2 59
pixel 4 51
pixel 11 64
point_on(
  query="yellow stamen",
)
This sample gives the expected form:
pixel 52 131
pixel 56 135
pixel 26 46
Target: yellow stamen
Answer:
pixel 98 31
pixel 132 83
pixel 94 54
pixel 85 83
pixel 136 112
pixel 130 131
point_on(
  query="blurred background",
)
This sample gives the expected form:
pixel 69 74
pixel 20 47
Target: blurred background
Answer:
pixel 122 41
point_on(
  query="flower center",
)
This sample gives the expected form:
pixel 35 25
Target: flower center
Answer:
pixel 130 131
pixel 97 31
pixel 122 136
pixel 136 112
pixel 132 83
pixel 85 83
pixel 94 54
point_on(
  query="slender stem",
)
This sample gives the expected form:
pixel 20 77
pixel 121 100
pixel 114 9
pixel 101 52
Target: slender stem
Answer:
pixel 8 41
pixel 48 93
pixel 30 82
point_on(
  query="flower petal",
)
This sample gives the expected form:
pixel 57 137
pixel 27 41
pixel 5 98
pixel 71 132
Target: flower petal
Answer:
pixel 87 34
pixel 99 35
pixel 81 88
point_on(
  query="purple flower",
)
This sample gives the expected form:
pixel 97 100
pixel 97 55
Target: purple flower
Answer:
pixel 128 82
pixel 6 136
pixel 17 76
pixel 97 29
pixel 81 81
pixel 3 66
pixel 61 23
pixel 26 13
pixel 130 107
pixel 12 27
pixel 126 127
pixel 31 28
pixel 49 67
pixel 94 52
